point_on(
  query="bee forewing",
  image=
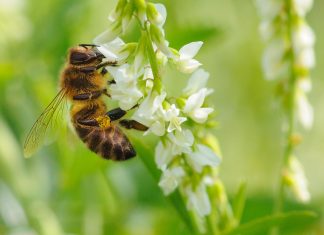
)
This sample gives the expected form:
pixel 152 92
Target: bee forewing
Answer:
pixel 46 122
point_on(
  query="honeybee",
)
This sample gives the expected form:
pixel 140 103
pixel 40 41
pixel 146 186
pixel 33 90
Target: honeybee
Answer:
pixel 83 83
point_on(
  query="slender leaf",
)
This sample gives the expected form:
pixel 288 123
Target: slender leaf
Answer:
pixel 291 220
pixel 239 202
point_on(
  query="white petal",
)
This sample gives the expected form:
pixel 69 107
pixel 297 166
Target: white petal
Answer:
pixel 302 6
pixel 197 81
pixel 272 62
pixel 170 179
pixel 181 141
pixel 306 58
pixel 163 155
pixel 303 36
pixel 190 50
pixel 198 200
pixel 203 156
pixel 158 127
pixel 162 13
pixel 196 100
pixel 188 66
pixel 299 181
pixel 305 111
pixel 107 36
pixel 200 115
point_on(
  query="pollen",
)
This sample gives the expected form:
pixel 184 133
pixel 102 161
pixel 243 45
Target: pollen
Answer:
pixel 103 121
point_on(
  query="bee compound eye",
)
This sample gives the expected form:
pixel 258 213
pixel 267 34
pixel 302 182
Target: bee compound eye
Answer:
pixel 78 58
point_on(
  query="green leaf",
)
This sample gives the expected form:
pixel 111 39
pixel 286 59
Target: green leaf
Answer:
pixel 239 202
pixel 290 220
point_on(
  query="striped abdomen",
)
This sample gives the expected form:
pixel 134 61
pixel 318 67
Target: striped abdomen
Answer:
pixel 110 143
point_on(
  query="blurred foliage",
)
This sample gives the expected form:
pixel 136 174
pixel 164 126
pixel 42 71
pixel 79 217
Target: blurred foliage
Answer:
pixel 66 189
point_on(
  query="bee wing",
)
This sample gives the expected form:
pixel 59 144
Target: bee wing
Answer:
pixel 46 121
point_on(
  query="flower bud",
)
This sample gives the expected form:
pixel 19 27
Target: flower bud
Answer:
pixel 117 12
pixel 155 16
pixel 158 38
pixel 127 15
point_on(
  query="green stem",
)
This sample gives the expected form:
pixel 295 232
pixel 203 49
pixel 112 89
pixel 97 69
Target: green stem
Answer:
pixel 291 119
pixel 152 59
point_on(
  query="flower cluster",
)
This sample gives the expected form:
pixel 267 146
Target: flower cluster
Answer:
pixel 184 154
pixel 289 56
pixel 289 51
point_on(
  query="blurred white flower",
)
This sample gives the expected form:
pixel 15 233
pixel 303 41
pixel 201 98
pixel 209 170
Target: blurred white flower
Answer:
pixel 198 199
pixel 298 181
pixel 170 179
pixel 202 156
pixel 274 66
pixel 125 90
pixel 181 141
pixel 185 62
pixel 305 110
pixel 302 6
pixel 197 81
pixel 194 104
pixel 269 9
pixel 303 37
pixel 163 154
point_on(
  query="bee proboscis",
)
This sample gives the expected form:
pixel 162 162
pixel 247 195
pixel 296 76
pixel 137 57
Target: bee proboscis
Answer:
pixel 83 83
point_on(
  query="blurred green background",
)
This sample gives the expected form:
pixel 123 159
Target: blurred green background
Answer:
pixel 66 189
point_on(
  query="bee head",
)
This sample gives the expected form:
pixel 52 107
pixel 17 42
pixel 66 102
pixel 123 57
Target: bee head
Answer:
pixel 83 55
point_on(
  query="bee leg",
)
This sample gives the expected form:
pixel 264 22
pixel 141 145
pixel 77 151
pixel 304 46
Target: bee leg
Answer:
pixel 90 95
pixel 132 124
pixel 104 71
pixel 111 82
pixel 116 114
pixel 107 63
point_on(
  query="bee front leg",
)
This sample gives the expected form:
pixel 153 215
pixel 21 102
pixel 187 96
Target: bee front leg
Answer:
pixel 132 124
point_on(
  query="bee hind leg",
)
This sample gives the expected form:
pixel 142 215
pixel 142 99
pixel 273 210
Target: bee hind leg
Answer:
pixel 132 124
pixel 116 114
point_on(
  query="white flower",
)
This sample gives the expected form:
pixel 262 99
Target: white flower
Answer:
pixel 172 115
pixel 302 6
pixel 198 200
pixel 269 8
pixel 303 37
pixel 299 182
pixel 305 110
pixel 193 106
pixel 170 179
pixel 150 113
pixel 197 81
pixel 162 14
pixel 306 58
pixel 107 36
pixel 272 62
pixel 112 50
pixel 163 154
pixel 267 29
pixel 202 156
pixel 185 62
pixel 181 141
pixel 125 89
